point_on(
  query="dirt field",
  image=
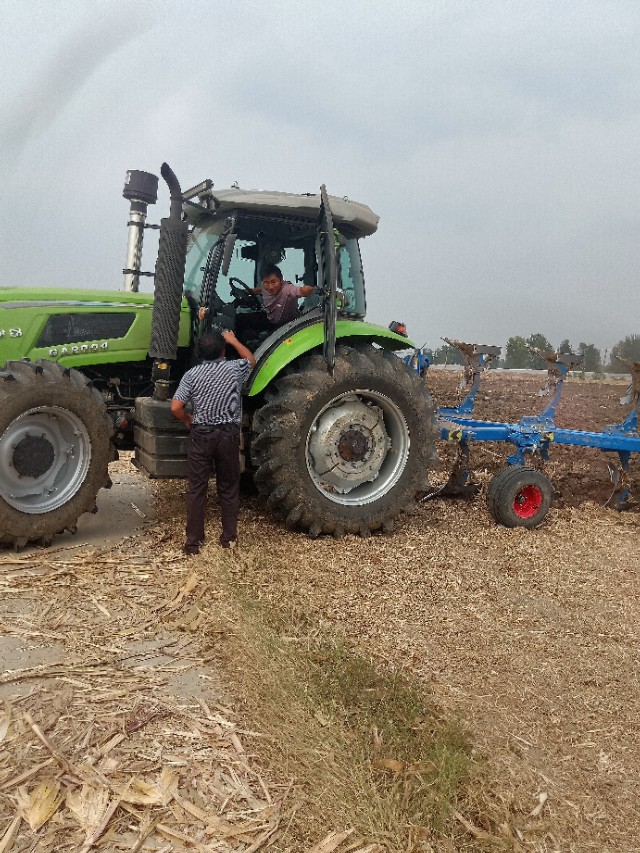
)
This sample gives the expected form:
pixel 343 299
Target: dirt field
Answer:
pixel 529 638
pixel 578 474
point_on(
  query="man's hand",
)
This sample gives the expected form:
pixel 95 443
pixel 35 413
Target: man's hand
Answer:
pixel 242 351
pixel 177 410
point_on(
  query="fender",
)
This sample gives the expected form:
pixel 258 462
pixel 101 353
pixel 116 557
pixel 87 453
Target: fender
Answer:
pixel 310 337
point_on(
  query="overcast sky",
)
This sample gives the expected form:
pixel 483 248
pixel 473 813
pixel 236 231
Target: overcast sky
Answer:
pixel 497 141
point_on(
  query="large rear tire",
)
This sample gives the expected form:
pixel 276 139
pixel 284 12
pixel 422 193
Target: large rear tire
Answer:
pixel 55 447
pixel 344 453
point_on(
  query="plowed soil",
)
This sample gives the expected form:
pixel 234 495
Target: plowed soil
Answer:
pixel 578 473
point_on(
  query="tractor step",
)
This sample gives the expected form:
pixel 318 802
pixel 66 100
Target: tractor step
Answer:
pixel 160 438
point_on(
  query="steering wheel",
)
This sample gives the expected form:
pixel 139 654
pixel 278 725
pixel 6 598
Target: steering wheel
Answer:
pixel 244 294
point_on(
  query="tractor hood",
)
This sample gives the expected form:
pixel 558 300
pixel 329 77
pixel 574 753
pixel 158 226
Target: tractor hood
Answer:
pixel 78 327
pixel 23 297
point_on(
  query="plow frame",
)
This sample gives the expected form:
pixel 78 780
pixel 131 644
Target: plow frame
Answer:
pixel 532 436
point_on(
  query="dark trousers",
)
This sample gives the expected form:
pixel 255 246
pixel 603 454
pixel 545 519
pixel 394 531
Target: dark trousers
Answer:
pixel 216 452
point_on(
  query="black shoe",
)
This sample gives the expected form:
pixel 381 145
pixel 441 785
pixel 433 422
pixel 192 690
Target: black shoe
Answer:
pixel 191 550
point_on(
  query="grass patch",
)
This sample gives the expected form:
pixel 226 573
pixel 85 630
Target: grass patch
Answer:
pixel 421 759
pixel 366 747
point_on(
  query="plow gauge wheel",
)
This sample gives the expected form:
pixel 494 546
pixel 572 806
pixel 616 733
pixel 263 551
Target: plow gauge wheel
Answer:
pixel 519 496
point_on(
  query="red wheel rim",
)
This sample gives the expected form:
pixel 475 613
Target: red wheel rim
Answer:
pixel 527 502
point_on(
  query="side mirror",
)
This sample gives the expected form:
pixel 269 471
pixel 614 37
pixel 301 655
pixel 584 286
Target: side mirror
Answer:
pixel 229 245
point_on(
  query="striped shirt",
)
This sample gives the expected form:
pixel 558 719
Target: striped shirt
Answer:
pixel 213 389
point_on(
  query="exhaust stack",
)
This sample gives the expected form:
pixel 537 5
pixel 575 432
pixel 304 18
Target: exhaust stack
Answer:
pixel 169 276
pixel 141 189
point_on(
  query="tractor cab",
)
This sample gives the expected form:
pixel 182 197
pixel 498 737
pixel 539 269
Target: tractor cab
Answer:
pixel 236 233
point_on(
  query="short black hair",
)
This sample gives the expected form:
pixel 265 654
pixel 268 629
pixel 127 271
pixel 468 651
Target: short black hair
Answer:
pixel 271 269
pixel 212 345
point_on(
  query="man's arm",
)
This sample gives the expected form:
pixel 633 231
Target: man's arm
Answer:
pixel 177 410
pixel 307 290
pixel 242 351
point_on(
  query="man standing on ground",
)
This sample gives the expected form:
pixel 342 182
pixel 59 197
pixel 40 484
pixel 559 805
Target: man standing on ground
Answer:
pixel 213 388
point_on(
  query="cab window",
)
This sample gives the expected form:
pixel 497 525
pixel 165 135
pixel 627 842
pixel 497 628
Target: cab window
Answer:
pixel 351 278
pixel 241 267
pixel 200 244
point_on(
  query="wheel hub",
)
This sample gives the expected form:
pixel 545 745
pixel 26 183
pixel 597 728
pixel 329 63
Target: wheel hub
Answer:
pixel 33 456
pixel 348 444
pixel 44 457
pixel 353 446
pixel 527 502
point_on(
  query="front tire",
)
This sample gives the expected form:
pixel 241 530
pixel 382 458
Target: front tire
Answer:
pixel 55 447
pixel 344 453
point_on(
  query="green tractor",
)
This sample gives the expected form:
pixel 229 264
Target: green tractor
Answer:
pixel 338 433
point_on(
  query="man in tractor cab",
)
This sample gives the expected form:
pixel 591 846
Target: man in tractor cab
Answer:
pixel 280 297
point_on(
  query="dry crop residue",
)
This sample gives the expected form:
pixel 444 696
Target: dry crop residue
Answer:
pixel 114 728
pixel 531 637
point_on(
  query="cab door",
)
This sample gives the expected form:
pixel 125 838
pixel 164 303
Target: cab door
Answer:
pixel 328 278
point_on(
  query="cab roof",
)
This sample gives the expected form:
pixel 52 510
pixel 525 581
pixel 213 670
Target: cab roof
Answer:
pixel 352 217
